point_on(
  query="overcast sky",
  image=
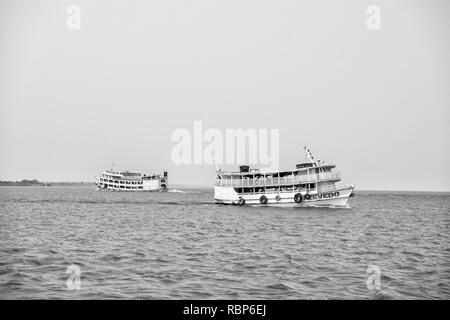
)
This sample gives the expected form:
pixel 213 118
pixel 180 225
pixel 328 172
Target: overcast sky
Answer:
pixel 374 102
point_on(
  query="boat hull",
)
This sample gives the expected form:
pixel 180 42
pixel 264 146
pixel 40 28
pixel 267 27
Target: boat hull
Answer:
pixel 104 187
pixel 335 198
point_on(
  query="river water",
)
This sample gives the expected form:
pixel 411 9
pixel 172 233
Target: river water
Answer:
pixel 179 245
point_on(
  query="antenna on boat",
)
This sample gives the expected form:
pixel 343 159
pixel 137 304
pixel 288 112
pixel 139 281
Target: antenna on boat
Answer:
pixel 215 164
pixel 309 155
pixel 217 170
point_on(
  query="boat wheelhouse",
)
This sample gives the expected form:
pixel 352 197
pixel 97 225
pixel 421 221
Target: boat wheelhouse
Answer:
pixel 309 184
pixel 131 181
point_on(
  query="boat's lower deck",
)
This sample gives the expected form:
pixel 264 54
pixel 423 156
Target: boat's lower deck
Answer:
pixel 106 187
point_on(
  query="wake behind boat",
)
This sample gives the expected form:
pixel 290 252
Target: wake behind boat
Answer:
pixel 309 184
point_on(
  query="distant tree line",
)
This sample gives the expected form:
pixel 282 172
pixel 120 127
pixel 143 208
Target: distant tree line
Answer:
pixel 25 182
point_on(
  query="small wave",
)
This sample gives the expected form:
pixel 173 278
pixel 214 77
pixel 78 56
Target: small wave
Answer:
pixel 112 257
pixel 278 286
pixel 382 296
pixel 322 279
pixel 308 283
pixel 35 262
pixel 386 278
pixel 12 283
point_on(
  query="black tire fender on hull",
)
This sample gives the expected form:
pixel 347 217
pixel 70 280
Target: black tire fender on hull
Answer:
pixel 263 199
pixel 298 198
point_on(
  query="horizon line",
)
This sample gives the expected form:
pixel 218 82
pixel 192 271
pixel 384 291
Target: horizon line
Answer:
pixel 209 186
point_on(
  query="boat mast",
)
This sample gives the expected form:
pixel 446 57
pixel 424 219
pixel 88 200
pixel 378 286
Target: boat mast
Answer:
pixel 309 156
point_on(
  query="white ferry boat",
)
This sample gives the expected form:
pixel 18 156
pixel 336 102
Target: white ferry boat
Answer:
pixel 131 181
pixel 309 184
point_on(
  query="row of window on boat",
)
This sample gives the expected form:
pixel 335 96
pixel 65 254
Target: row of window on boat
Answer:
pixel 131 181
pixel 306 186
pixel 288 174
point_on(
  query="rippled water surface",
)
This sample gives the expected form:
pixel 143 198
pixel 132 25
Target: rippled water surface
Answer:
pixel 179 245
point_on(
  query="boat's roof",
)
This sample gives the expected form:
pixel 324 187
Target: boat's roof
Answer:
pixel 125 173
pixel 270 172
pixel 128 173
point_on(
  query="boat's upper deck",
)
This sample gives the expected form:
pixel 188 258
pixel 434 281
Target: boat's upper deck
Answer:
pixel 302 174
pixel 129 176
pixel 281 173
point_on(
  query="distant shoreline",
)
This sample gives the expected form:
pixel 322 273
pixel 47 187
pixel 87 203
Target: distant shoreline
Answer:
pixel 37 183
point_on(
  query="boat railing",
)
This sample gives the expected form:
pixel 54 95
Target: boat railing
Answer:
pixel 279 181
pixel 274 191
pixel 331 188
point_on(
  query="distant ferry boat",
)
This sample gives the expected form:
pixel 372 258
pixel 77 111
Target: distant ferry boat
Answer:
pixel 131 181
pixel 309 184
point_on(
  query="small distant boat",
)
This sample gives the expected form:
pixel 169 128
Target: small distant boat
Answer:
pixel 309 184
pixel 111 180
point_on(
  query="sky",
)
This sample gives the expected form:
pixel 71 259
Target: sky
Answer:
pixel 375 102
